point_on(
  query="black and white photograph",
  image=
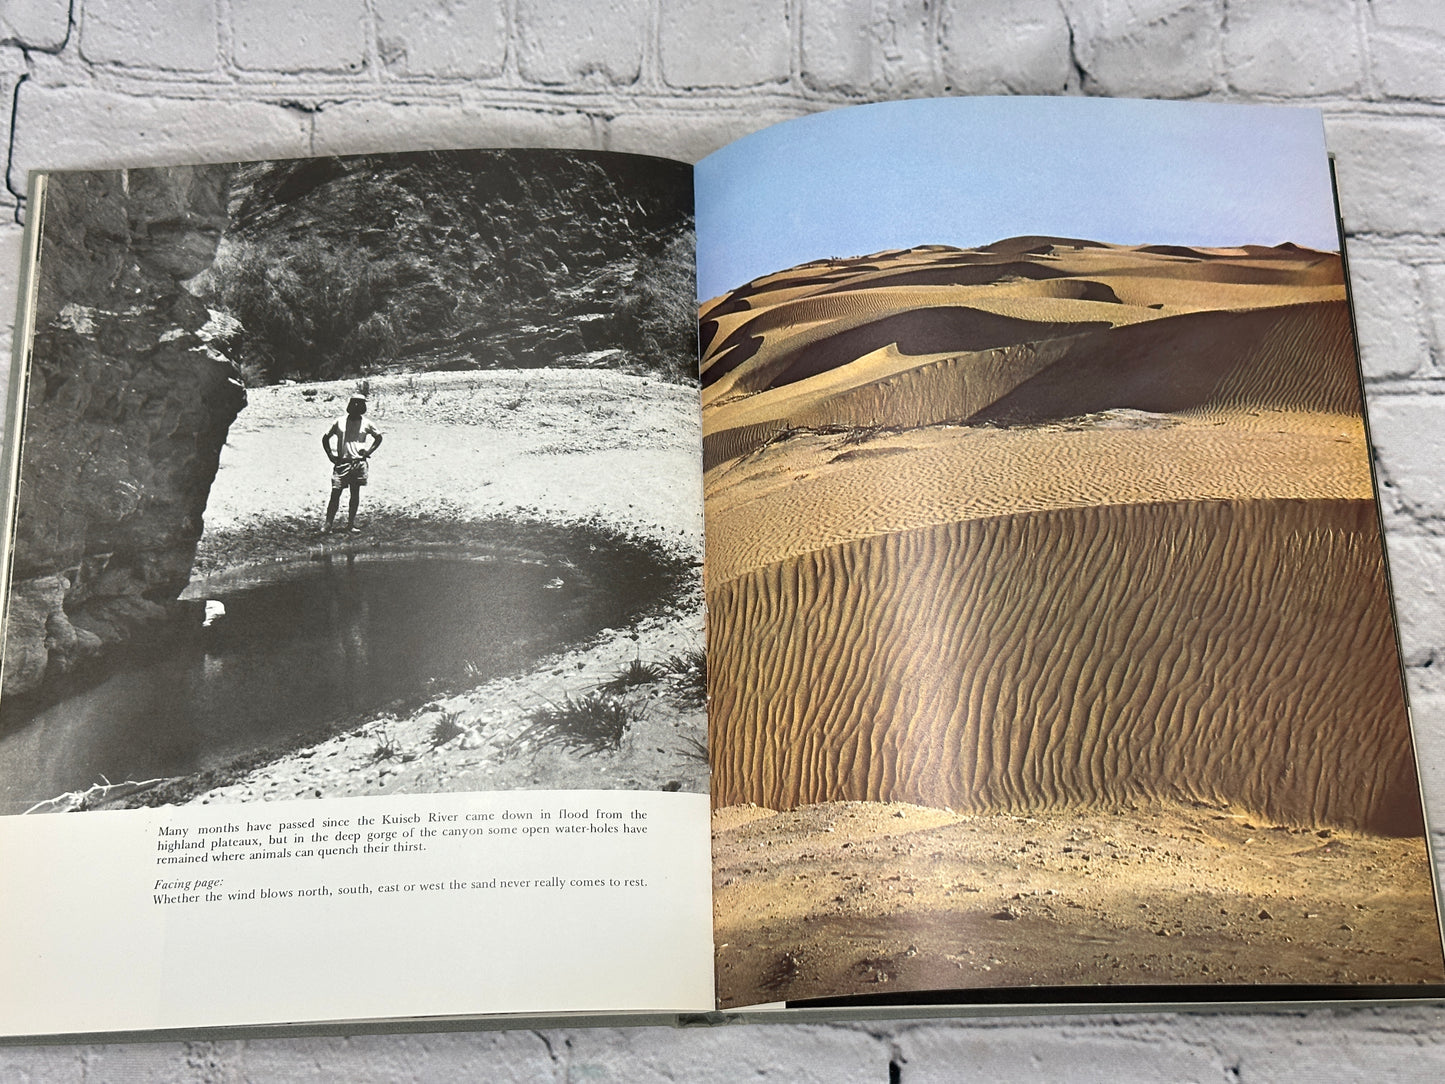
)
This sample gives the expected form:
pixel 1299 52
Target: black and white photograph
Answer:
pixel 357 476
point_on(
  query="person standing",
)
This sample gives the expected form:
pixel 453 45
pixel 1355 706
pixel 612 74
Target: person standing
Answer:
pixel 353 434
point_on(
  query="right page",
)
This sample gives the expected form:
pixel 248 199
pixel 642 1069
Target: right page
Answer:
pixel 1050 632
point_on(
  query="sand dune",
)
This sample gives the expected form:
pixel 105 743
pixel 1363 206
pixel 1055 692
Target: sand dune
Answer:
pixel 926 339
pixel 816 490
pixel 1293 357
pixel 1090 657
pixel 1065 542
pixel 1297 357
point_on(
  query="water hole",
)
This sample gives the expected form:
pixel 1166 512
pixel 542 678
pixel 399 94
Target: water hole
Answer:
pixel 305 649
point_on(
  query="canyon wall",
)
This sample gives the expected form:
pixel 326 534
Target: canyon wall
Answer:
pixel 126 410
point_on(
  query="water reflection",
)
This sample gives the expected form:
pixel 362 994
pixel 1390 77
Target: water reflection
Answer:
pixel 313 644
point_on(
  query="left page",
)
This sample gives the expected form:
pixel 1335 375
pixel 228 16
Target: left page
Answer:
pixel 353 657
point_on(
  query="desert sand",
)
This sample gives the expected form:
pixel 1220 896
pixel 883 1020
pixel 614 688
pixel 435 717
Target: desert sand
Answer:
pixel 861 898
pixel 1057 530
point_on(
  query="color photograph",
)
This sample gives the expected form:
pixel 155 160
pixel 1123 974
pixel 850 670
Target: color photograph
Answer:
pixel 1049 620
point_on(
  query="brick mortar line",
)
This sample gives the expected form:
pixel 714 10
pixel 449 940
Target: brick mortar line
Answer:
pixel 374 77
pixel 1393 388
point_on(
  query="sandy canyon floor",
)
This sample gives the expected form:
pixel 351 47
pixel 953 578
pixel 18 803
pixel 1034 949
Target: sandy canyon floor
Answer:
pixel 558 448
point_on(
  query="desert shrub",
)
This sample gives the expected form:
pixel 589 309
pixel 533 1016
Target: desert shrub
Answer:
pixel 309 312
pixel 693 747
pixel 387 746
pixel 660 302
pixel 690 667
pixel 446 728
pixel 632 675
pixel 593 723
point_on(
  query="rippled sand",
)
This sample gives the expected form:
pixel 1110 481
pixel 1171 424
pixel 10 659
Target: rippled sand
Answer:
pixel 1056 530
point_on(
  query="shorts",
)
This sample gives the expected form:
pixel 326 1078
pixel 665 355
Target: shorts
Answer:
pixel 349 472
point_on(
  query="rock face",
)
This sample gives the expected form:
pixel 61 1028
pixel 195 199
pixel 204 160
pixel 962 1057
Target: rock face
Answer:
pixel 126 412
pixel 459 260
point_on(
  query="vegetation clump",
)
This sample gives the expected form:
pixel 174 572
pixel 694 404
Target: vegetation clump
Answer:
pixel 690 668
pixel 634 674
pixel 446 728
pixel 593 723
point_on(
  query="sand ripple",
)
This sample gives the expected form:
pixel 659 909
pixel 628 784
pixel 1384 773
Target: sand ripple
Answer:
pixel 1182 650
pixel 819 490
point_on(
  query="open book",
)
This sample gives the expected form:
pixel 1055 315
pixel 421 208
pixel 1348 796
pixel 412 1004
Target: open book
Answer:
pixel 356 596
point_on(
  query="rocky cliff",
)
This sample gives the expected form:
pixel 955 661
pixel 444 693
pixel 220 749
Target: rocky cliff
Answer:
pixel 126 412
pixel 339 267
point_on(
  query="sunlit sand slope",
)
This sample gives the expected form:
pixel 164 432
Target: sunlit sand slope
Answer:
pixel 1223 651
pixel 819 489
pixel 1296 357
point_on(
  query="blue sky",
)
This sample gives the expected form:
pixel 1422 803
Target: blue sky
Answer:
pixel 968 171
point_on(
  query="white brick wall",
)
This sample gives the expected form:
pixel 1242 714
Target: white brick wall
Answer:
pixel 102 82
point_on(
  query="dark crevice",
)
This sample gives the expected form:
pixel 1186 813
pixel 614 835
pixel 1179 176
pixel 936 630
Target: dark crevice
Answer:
pixel 10 150
pixel 1079 70
pixel 52 50
pixel 896 1062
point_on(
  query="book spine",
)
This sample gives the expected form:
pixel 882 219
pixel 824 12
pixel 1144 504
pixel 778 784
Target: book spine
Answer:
pixel 24 338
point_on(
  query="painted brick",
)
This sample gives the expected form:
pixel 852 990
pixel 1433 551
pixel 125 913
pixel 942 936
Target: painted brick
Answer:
pixel 1300 47
pixel 74 128
pixel 319 35
pixel 1158 48
pixel 992 49
pixel 686 137
pixel 1409 437
pixel 1427 712
pixel 1081 1056
pixel 1417 568
pixel 1394 1043
pixel 1408 65
pixel 364 127
pixel 195 1061
pixel 561 41
pixel 37 24
pixel 740 44
pixel 459 38
pixel 52 1064
pixel 1433 279
pixel 1390 172
pixel 1386 294
pixel 11 237
pixel 858 46
pixel 179 35
pixel 8 83
pixel 1427 707
pixel 500 1056
pixel 1408 14
pixel 800 1054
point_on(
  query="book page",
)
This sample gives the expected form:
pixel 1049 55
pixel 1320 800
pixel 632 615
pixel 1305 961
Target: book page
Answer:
pixel 354 598
pixel 1050 631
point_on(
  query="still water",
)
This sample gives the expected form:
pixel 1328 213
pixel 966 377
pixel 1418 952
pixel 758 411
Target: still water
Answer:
pixel 298 652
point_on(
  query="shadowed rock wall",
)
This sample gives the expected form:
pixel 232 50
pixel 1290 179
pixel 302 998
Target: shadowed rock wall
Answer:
pixel 126 412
